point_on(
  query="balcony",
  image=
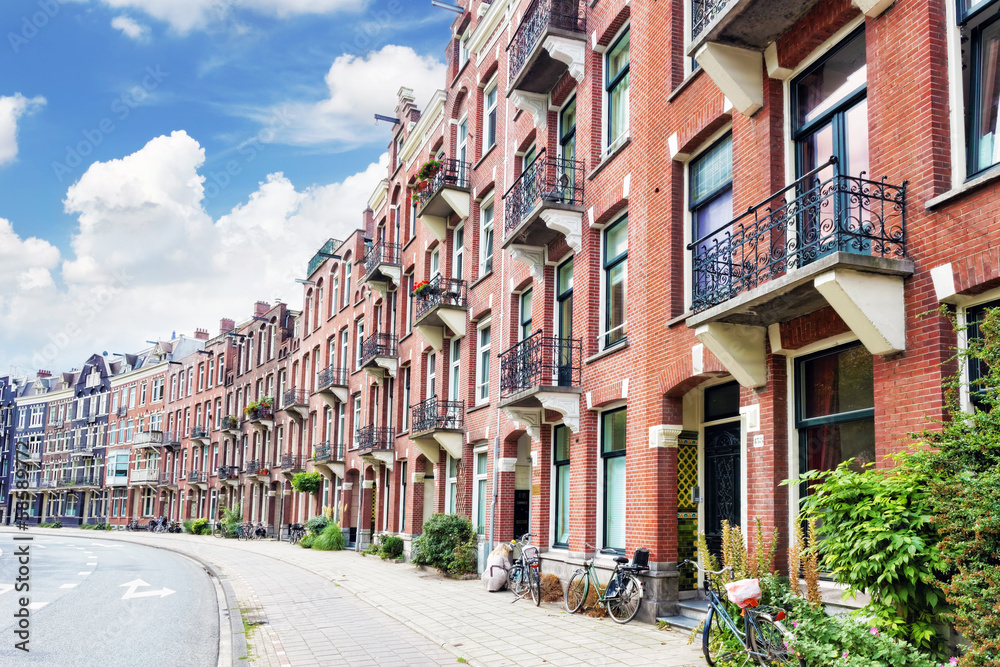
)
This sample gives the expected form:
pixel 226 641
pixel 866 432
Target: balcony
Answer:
pixel 446 193
pixel 382 267
pixel 57 423
pixel 198 479
pixel 295 403
pixel 329 458
pixel 81 480
pixel 545 201
pixel 82 449
pixel 200 435
pixel 441 307
pixel 229 474
pixel 551 38
pixel 144 477
pixel 541 373
pixel 326 252
pixel 231 426
pixel 331 384
pixel 122 410
pixel 257 470
pixel 838 242
pixel 436 423
pixel 260 416
pixel 292 463
pixel 375 444
pixel 147 439
pixel 29 457
pixel 379 355
pixel 168 479
pixel 171 440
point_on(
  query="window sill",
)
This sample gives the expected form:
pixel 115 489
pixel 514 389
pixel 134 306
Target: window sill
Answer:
pixel 480 279
pixel 608 158
pixel 485 155
pixel 679 319
pixel 684 84
pixel 965 188
pixel 607 352
pixel 461 70
pixel 407 244
pixel 476 408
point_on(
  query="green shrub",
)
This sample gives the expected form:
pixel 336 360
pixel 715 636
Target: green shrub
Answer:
pixel 307 541
pixel 187 525
pixel 307 482
pixel 200 527
pixel 231 520
pixel 391 547
pixel 446 543
pixel 316 524
pixel 331 539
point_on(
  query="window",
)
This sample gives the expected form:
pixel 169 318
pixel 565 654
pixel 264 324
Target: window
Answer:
pixel 435 262
pixel 131 393
pixel 486 240
pixel 615 282
pixel 489 117
pixel 157 390
pixel 463 50
pixel 980 24
pixel 525 309
pixel 454 391
pixel 121 465
pixel 334 300
pixel 480 499
pixel 560 460
pixel 413 219
pixel 402 497
pixel 347 283
pixel 835 408
pixel 711 204
pixel 451 485
pixel 142 396
pixel 458 252
pixel 616 86
pixel 201 377
pixel 483 365
pixel 977 369
pixel 398 157
pixel 613 463
pixel 360 336
pixel 462 140
pixel 409 302
pixel 357 414
pixel 406 399
pixel 431 375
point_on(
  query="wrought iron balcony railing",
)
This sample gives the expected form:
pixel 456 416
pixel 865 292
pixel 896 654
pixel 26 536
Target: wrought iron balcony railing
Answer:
pixel 122 410
pixel 795 226
pixel 230 423
pixel 80 479
pixel 198 433
pixel 374 438
pixel 263 412
pixel 325 451
pixel 229 472
pixel 291 462
pixel 168 479
pixel 567 15
pixel 294 396
pixel 322 255
pixel 453 172
pixel 197 477
pixel 540 361
pixel 435 413
pixel 381 253
pixel 331 376
pixel 441 292
pixel 703 12
pixel 547 180
pixel 253 467
pixel 378 345
pixel 171 439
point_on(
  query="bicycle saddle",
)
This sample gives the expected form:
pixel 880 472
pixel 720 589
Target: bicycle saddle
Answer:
pixel 621 560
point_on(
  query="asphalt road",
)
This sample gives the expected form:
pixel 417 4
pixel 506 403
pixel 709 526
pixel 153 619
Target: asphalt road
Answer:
pixel 103 603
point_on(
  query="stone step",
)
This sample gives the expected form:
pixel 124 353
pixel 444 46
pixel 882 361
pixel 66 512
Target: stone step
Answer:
pixel 683 624
pixel 695 609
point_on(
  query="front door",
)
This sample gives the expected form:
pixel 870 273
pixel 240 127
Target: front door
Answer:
pixel 722 482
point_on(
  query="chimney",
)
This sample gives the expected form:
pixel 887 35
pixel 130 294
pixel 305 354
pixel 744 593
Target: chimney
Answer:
pixel 44 374
pixel 369 219
pixel 260 308
pixel 201 334
pixel 226 325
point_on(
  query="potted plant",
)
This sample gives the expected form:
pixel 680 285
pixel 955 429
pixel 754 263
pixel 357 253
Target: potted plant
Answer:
pixel 420 287
pixel 429 169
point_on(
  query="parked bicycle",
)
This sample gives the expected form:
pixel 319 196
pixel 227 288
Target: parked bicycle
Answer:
pixel 762 637
pixel 219 530
pixel 296 532
pixel 260 532
pixel 622 596
pixel 174 527
pixel 524 575
pixel 132 525
pixel 245 531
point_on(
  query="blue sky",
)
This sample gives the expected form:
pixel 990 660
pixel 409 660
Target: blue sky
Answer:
pixel 183 123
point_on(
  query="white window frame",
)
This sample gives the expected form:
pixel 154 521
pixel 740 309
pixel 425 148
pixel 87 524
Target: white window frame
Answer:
pixel 608 143
pixel 477 501
pixel 480 349
pixel 488 125
pixel 455 364
pixel 458 252
pixel 483 227
pixel 451 485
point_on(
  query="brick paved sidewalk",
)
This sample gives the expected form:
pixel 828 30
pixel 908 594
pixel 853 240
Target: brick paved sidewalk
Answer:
pixel 483 628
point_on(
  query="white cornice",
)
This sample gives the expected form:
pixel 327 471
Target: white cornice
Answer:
pixel 378 197
pixel 429 118
pixel 487 26
pixel 140 374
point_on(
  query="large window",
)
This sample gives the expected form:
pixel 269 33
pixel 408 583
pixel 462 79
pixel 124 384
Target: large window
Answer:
pixel 616 87
pixel 486 240
pixel 980 24
pixel 489 117
pixel 451 483
pixel 480 499
pixel 458 252
pixel 406 399
pixel 455 390
pixel 483 365
pixel 615 281
pixel 560 461
pixel 525 328
pixel 613 464
pixel 711 203
pixel 835 408
pixel 977 369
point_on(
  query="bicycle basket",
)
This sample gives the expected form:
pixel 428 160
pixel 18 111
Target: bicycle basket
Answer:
pixel 744 593
pixel 641 559
pixel 529 554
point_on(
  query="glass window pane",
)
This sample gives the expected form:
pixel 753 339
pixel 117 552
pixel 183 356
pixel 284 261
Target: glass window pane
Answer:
pixel 565 280
pixel 481 508
pixel 839 382
pixel 481 463
pixel 618 113
pixel 618 58
pixel 712 170
pixel 562 505
pixel 829 445
pixel 713 216
pixel 616 241
pixel 617 286
pixel 987 132
pixel 614 432
pixel 722 401
pixel 561 435
pixel 838 76
pixel 614 503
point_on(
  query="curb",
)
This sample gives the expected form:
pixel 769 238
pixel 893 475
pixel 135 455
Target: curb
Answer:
pixel 232 645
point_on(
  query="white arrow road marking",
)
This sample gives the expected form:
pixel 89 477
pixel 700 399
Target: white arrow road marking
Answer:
pixel 106 546
pixel 145 594
pixel 35 606
pixel 6 588
pixel 68 586
pixel 84 574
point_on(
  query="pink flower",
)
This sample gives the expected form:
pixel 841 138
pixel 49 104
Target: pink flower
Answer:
pixel 953 660
pixel 874 631
pixel 795 624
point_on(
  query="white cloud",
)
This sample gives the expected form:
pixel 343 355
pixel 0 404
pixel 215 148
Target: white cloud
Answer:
pixel 130 28
pixel 148 260
pixel 11 109
pixel 187 15
pixel 359 88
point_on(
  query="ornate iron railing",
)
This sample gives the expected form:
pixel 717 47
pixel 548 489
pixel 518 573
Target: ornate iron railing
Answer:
pixel 122 410
pixel 330 376
pixel 704 12
pixel 197 477
pixel 229 472
pixel 198 432
pixel 171 439
pixel 435 413
pixel 292 462
pixel 569 15
pixel 381 253
pixel 324 253
pixel 441 292
pixel 374 438
pixel 545 181
pixel 795 226
pixel 294 396
pixel 80 479
pixel 231 423
pixel 453 172
pixel 540 361
pixel 378 345
pixel 253 467
pixel 263 412
pixel 168 479
pixel 325 451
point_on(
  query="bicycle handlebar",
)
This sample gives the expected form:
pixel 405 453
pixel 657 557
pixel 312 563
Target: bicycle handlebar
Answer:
pixel 706 570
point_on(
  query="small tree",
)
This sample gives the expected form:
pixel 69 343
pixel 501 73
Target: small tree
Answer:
pixel 307 482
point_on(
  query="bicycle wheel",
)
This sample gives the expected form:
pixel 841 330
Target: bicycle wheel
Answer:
pixel 624 606
pixel 218 531
pixel 535 584
pixel 517 580
pixel 714 637
pixel 767 640
pixel 576 591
